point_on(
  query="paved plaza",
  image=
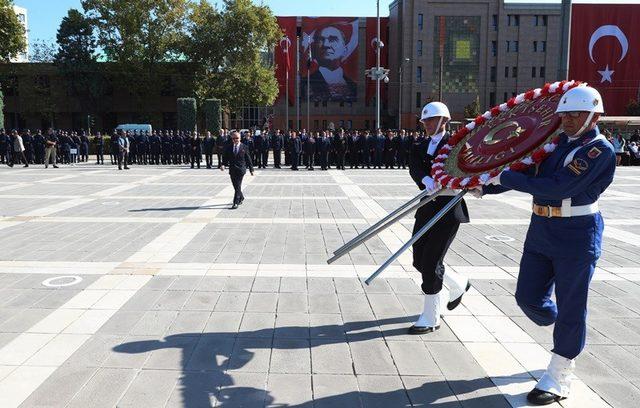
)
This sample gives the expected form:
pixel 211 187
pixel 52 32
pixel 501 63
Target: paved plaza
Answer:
pixel 141 289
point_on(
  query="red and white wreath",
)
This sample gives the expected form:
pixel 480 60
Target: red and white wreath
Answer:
pixel 438 170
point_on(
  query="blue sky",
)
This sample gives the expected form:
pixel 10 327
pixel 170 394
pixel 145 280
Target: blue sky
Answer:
pixel 45 15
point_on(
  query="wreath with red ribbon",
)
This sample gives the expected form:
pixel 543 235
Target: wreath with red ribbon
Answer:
pixel 439 172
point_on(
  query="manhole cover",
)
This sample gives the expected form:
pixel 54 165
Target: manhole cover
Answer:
pixel 499 238
pixel 61 281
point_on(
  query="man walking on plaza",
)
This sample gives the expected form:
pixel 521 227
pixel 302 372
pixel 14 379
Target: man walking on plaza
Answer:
pixel 123 151
pixel 237 158
pixel 564 240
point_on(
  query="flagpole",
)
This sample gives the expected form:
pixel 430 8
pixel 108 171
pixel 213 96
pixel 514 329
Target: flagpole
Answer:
pixel 297 84
pixel 378 70
pixel 287 86
pixel 308 90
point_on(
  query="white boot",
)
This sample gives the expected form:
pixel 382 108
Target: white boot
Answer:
pixel 458 285
pixel 429 320
pixel 558 377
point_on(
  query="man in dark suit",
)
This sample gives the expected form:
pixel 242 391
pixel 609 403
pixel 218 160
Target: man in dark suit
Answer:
pixel 277 143
pixel 296 148
pixel 237 157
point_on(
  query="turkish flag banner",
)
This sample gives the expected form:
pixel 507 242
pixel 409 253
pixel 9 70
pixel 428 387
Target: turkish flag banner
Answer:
pixel 605 52
pixel 284 54
pixel 372 35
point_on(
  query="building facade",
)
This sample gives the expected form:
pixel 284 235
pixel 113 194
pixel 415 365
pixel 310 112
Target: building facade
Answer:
pixel 22 15
pixel 488 50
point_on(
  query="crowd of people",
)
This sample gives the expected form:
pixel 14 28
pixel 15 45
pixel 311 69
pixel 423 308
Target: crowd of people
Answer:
pixel 327 149
pixel 627 151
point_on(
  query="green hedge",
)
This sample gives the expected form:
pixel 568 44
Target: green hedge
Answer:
pixel 213 115
pixel 187 112
pixel 1 109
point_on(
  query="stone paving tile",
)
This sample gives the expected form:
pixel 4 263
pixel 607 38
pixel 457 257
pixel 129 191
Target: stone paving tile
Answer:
pixel 285 338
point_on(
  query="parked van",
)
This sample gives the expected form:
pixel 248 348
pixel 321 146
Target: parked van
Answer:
pixel 135 128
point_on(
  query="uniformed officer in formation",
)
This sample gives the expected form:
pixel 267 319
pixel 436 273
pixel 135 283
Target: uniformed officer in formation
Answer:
pixel 564 240
pixel 277 144
pixel 99 143
pixel 195 149
pixel 429 251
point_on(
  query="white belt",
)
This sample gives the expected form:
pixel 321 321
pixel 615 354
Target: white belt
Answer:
pixel 567 211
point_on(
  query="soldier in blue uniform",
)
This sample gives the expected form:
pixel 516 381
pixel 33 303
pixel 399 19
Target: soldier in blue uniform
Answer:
pixel 429 251
pixel 564 240
pixel 38 147
pixel 84 147
pixel 155 147
pixel 208 144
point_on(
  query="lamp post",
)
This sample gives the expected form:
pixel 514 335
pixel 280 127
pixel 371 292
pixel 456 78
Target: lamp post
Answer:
pixel 400 93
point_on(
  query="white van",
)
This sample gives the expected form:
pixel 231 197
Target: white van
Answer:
pixel 134 128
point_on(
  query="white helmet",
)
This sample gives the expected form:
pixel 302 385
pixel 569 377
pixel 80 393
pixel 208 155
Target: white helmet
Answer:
pixel 581 99
pixel 435 109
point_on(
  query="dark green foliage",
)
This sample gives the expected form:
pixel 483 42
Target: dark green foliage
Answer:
pixel 187 114
pixel 1 110
pixel 212 115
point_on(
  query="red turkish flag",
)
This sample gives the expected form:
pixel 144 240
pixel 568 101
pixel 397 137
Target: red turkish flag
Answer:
pixel 285 51
pixel 372 34
pixel 605 51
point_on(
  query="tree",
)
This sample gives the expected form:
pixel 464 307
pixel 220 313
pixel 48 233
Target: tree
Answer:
pixel 473 109
pixel 227 49
pixel 13 35
pixel 132 31
pixel 1 109
pixel 42 51
pixel 212 115
pixel 76 40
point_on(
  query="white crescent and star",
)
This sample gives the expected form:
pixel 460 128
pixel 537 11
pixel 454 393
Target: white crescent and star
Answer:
pixel 608 31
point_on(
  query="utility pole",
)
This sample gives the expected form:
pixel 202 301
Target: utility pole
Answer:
pixel 400 93
pixel 297 83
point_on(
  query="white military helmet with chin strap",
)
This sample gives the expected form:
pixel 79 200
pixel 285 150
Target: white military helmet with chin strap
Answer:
pixel 581 99
pixel 435 110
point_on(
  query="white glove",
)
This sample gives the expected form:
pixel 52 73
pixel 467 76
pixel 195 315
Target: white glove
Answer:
pixel 494 181
pixel 429 184
pixel 476 192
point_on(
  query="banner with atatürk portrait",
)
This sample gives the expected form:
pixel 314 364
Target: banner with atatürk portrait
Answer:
pixel 329 58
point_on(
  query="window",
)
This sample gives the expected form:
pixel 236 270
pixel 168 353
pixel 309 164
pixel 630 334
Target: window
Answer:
pixel 493 74
pixel 542 72
pixel 544 46
pixel 506 72
pixel 419 50
pixel 324 124
pixel 508 46
pixel 316 124
pixel 514 72
pixel 535 46
pixel 420 21
pixel 494 48
pixel 533 72
pixel 366 124
pixel 418 99
pixel 516 46
pixel 419 75
pixel 495 22
pixel 506 97
pixel 544 21
pixel 513 20
pixel 492 99
pixel 341 104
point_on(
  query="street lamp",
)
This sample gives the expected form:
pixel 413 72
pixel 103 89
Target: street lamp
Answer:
pixel 400 93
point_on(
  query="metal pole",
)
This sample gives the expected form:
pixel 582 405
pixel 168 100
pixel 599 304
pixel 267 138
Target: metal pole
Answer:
pixel 286 102
pixel 454 201
pixel 308 98
pixel 400 98
pixel 440 77
pixel 563 68
pixel 384 224
pixel 378 69
pixel 297 83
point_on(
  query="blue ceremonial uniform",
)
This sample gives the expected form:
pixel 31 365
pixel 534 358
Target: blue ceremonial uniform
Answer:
pixel 562 251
